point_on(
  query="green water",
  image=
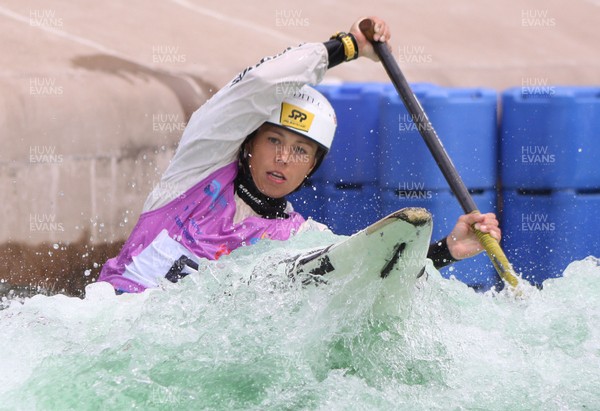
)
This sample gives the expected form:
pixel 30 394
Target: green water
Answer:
pixel 240 335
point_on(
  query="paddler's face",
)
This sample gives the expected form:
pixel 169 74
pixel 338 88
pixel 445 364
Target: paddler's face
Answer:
pixel 280 160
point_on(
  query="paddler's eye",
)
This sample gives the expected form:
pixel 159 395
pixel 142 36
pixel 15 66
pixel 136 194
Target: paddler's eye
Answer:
pixel 299 150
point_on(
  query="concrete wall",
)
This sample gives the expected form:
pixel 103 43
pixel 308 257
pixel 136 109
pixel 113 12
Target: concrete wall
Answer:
pixel 94 95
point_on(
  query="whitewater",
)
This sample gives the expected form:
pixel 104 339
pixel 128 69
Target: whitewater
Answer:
pixel 240 334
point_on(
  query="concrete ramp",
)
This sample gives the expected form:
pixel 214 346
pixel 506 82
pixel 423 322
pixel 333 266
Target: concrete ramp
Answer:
pixel 95 95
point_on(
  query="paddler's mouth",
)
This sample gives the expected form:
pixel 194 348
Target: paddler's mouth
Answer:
pixel 276 177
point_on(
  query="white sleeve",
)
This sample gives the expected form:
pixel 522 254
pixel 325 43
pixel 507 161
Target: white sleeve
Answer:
pixel 216 130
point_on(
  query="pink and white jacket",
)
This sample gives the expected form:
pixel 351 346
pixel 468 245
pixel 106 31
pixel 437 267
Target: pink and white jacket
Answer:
pixel 194 212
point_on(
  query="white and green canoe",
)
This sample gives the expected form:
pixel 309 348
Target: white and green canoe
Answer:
pixel 389 255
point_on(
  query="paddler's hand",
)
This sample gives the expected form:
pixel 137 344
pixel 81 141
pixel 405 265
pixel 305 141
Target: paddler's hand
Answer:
pixel 462 240
pixel 382 34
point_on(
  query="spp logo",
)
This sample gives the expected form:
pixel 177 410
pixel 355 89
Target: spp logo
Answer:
pixel 295 117
pixel 298 115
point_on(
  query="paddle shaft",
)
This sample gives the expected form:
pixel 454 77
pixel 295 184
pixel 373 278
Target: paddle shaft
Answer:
pixel 436 148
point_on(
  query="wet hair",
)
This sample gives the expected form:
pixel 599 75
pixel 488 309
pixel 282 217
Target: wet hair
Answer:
pixel 319 157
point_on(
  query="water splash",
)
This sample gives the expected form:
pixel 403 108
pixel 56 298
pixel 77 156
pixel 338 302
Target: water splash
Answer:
pixel 242 335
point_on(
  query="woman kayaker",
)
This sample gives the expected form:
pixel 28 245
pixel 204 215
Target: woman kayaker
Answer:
pixel 254 142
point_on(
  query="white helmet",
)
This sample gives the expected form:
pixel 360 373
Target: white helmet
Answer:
pixel 308 113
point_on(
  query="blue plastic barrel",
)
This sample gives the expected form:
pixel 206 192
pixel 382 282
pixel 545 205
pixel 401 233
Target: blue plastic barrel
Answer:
pixel 465 119
pixel 549 138
pixel 309 200
pixel 546 230
pixel 353 157
pixel 351 207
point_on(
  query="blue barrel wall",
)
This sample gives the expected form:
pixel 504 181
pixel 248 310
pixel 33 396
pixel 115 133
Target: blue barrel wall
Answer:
pixel 309 200
pixel 466 122
pixel 546 230
pixel 344 208
pixel 353 157
pixel 550 139
pixel 350 208
pixel 476 272
pixel 399 136
pixel 547 148
pixel 550 169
